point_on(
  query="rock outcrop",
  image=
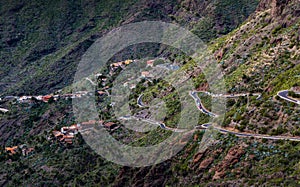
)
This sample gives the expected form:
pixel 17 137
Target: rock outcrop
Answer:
pixel 277 6
pixel 230 159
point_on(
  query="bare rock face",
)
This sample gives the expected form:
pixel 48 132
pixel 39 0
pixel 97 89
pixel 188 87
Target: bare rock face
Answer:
pixel 276 6
pixel 206 162
pixel 230 159
pixel 264 5
pixel 198 157
pixel 203 159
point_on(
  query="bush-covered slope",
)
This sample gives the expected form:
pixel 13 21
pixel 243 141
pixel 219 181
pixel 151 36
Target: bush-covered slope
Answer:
pixel 262 56
pixel 266 44
pixel 42 42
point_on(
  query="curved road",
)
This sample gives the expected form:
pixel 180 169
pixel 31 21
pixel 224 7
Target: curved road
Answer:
pixel 88 79
pixel 230 95
pixel 284 95
pixel 159 124
pixel 241 134
pixel 140 102
pixel 200 105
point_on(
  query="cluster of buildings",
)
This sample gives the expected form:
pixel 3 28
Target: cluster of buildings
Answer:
pixel 26 151
pixel 67 134
pixel 144 74
pixel 46 98
pixel 121 64
pixel 126 62
pixel 28 99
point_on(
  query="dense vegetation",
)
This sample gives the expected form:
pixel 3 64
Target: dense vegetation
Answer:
pixel 43 41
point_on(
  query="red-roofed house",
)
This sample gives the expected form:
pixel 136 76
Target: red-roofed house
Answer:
pixel 110 125
pixel 101 93
pixel 145 74
pixel 46 98
pixel 68 139
pixel 57 133
pixel 11 150
pixel 150 63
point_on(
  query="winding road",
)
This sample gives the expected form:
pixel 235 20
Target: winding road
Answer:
pixel 241 134
pixel 140 102
pixel 284 95
pixel 200 105
pixel 159 124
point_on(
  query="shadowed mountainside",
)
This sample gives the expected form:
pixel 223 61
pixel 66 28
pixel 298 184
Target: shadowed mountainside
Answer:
pixel 42 42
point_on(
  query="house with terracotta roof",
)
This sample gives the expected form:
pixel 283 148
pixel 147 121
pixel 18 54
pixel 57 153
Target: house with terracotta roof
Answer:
pixel 150 63
pixel 127 62
pixel 110 125
pixel 68 139
pixel 46 98
pixel 145 74
pixel 11 150
pixel 101 93
pixel 57 133
pixel 66 134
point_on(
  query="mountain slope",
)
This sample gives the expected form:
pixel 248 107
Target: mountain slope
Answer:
pixel 262 56
pixel 267 43
pixel 42 42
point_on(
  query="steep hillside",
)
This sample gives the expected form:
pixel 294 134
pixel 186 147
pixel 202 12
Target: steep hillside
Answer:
pixel 262 56
pixel 42 42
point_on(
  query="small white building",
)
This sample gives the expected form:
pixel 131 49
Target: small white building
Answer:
pixel 3 110
pixel 24 99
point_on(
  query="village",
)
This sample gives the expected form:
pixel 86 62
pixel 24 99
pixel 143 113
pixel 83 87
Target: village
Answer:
pixel 103 79
pixel 26 151
pixel 67 134
pixel 44 98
